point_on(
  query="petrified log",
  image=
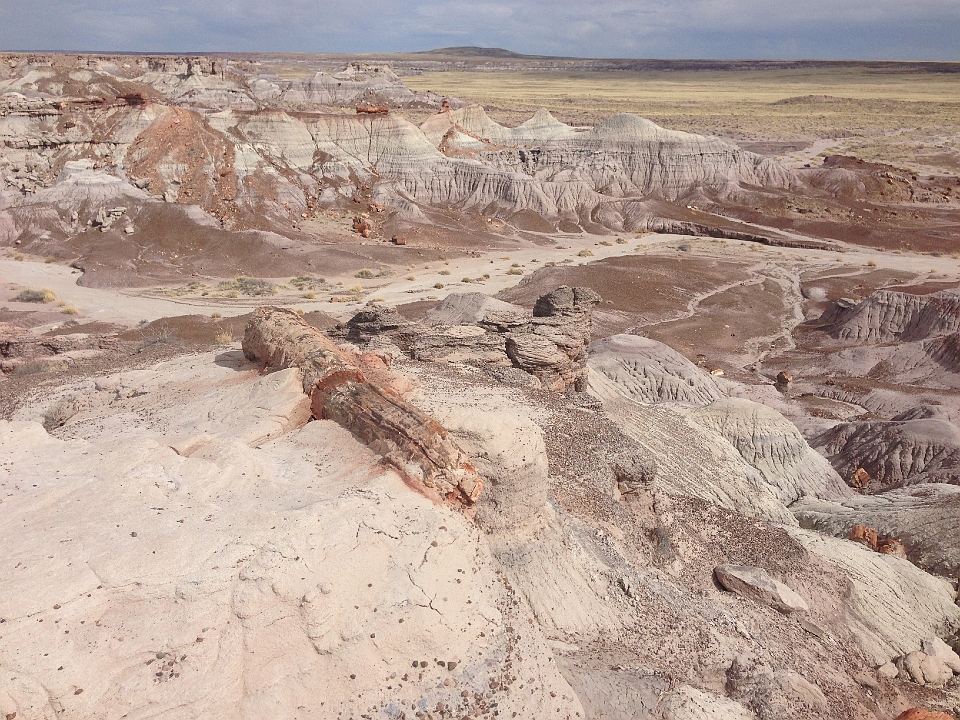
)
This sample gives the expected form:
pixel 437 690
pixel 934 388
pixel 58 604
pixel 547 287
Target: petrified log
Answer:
pixel 921 714
pixel 864 535
pixel 889 546
pixel 410 440
pixel 373 110
pixel 361 226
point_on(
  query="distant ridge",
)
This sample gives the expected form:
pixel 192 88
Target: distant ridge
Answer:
pixel 473 51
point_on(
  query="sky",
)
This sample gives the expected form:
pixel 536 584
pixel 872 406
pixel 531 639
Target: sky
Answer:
pixel 789 29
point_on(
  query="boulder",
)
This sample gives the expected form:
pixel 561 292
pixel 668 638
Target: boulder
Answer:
pixel 407 438
pixel 865 536
pixel 923 669
pixel 889 546
pixel 860 478
pixel 756 584
pixel 938 648
pixel 554 346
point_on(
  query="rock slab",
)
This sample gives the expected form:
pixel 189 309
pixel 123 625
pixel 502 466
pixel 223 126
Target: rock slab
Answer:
pixel 757 585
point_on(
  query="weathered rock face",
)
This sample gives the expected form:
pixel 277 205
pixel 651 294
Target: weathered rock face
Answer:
pixel 895 452
pixel 649 371
pixel 923 669
pixel 756 584
pixel 896 604
pixel 773 445
pixel 479 330
pixel 554 346
pixel 476 309
pixel 405 436
pixel 887 315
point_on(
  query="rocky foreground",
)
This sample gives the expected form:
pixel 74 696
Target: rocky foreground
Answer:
pixel 676 480
pixel 402 519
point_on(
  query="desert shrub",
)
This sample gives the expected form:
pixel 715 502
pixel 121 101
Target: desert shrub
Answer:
pixel 438 286
pixel 411 277
pixel 216 315
pixel 307 282
pixel 444 272
pixel 872 263
pixel 69 310
pixel 49 259
pixel 224 338
pixel 466 280
pixel 356 289
pixel 385 272
pixel 255 286
pixel 585 253
pixel 185 289
pixel 515 271
pixel 44 295
pixel 309 295
pixel 365 273
pixel 621 241
pixel 606 242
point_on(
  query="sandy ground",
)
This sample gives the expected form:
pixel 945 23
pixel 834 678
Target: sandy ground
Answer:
pixel 129 307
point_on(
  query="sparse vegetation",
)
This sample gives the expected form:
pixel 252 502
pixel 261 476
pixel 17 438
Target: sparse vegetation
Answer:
pixel 307 282
pixel 44 295
pixel 187 289
pixel 216 315
pixel 224 338
pixel 444 272
pixel 309 295
pixel 365 274
pixel 782 104
pixel 585 253
pixel 621 241
pixel 247 286
pixel 411 277
pixel 69 310
pixel 49 259
pixel 438 286
pixel 515 271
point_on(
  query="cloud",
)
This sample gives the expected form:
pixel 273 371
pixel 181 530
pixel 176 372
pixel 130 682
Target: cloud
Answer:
pixel 865 29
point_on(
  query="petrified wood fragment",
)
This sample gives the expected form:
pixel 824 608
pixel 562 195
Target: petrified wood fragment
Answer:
pixel 415 444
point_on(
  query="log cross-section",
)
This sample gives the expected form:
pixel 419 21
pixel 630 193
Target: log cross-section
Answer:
pixel 407 438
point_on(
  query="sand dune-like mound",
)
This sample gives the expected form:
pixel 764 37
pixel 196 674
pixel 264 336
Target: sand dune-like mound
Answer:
pixel 649 371
pixel 771 443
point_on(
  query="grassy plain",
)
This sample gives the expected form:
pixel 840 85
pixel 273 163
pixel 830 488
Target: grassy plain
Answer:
pixel 903 116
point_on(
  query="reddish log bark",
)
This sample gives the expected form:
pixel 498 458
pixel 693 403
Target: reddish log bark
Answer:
pixel 407 438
